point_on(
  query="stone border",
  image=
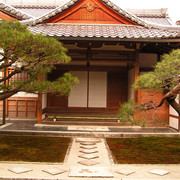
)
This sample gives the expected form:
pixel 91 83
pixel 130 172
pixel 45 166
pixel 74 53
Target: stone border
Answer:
pixel 86 134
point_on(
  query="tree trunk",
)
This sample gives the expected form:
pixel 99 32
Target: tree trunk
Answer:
pixel 171 96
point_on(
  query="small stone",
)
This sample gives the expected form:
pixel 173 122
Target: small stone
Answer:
pixel 19 170
pixel 88 162
pixel 88 156
pixel 159 172
pixel 88 147
pixel 54 171
pixel 88 143
pixel 125 172
pixel 88 151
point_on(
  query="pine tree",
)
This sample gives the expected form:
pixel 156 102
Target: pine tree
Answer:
pixel 26 57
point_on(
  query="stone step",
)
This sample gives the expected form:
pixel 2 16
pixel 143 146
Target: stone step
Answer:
pixel 82 123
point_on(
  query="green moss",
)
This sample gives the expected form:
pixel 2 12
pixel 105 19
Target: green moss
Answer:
pixel 33 149
pixel 151 150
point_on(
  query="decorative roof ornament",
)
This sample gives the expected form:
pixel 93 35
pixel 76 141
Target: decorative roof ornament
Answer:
pixel 90 6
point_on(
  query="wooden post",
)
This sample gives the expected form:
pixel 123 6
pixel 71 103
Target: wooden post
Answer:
pixel 4 101
pixel 136 70
pixel 136 75
pixel 39 104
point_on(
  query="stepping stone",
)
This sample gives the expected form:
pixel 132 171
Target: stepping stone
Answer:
pixel 88 162
pixel 88 143
pixel 88 156
pixel 54 171
pixel 19 170
pixel 94 140
pixel 159 172
pixel 103 172
pixel 88 147
pixel 125 172
pixel 88 151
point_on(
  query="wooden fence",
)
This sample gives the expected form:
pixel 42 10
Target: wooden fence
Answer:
pixel 20 107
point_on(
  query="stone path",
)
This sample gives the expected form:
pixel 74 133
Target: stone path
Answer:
pixel 87 158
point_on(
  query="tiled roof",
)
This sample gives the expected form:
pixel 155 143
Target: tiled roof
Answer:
pixel 162 12
pixel 158 16
pixel 70 3
pixel 102 31
pixel 13 11
pixel 158 20
pixel 35 10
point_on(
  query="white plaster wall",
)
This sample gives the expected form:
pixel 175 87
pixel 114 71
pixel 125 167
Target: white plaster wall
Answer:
pixel 44 101
pixel 171 110
pixel 24 94
pixel 173 122
pixel 147 59
pixel 44 96
pixel 130 83
pixel 97 89
pixel 78 96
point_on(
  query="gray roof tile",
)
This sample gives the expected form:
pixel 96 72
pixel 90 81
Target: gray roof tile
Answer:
pixel 101 30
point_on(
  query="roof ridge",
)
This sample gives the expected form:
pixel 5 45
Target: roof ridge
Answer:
pixel 13 11
pixel 35 6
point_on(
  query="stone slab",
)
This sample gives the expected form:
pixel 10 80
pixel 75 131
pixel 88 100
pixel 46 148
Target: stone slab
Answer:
pixel 125 172
pixel 19 170
pixel 88 162
pixel 159 172
pixel 88 151
pixel 88 143
pixel 103 172
pixel 88 156
pixel 95 140
pixel 54 171
pixel 88 147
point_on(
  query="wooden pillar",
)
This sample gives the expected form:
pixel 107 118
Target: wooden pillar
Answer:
pixel 136 70
pixel 136 75
pixel 39 104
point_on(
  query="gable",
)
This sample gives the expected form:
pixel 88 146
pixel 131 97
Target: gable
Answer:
pixel 89 11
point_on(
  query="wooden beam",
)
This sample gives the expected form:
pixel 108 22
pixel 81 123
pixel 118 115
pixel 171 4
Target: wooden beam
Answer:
pixel 102 61
pixel 90 68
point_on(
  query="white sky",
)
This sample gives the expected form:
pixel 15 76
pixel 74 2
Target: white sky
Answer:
pixel 172 5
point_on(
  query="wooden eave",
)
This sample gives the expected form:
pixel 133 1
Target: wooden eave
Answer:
pixel 8 17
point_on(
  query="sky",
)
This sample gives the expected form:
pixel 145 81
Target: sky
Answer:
pixel 172 5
